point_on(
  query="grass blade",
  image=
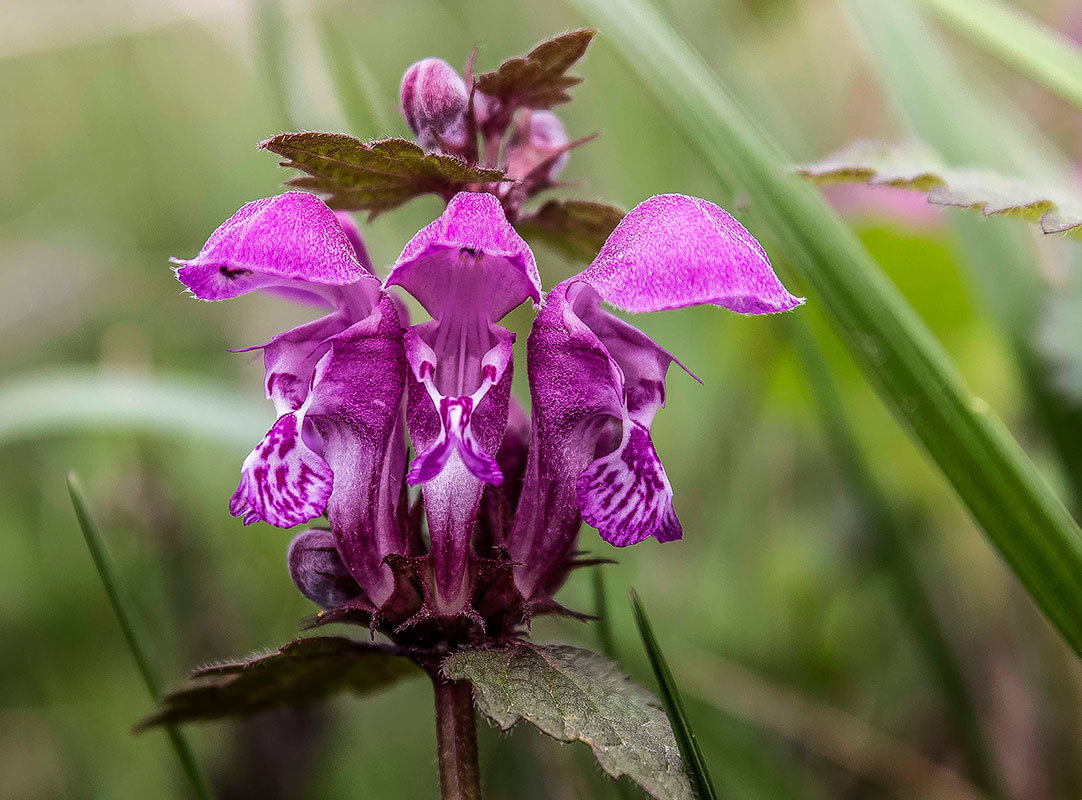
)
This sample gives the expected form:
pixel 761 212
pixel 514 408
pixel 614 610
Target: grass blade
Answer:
pixel 912 373
pixel 104 566
pixel 605 638
pixel 358 93
pixel 890 539
pixel 271 35
pixel 1017 39
pixel 694 761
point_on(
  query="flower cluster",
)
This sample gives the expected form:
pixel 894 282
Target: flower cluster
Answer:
pixel 492 532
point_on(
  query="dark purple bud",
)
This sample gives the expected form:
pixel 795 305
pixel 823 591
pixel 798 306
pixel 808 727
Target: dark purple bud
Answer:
pixel 318 571
pixel 538 135
pixel 434 100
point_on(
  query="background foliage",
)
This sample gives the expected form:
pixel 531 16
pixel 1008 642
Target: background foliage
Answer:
pixel 132 130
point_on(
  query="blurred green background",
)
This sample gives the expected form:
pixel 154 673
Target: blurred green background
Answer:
pixel 130 129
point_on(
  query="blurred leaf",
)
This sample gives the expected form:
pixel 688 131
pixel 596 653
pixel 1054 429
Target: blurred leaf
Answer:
pixel 575 695
pixel 577 227
pixel 1007 33
pixel 685 736
pixel 374 176
pixel 913 166
pixel 120 605
pixel 77 399
pixel 989 470
pixel 538 79
pixel 301 672
pixel 968 122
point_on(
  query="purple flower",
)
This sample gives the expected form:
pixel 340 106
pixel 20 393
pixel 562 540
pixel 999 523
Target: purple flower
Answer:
pixel 503 495
pixel 337 382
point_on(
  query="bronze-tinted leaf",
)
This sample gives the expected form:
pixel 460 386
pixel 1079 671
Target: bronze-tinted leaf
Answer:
pixel 913 166
pixel 299 673
pixel 575 695
pixel 538 79
pixel 577 227
pixel 372 176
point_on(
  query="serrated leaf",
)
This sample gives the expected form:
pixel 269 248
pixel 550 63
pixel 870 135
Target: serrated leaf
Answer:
pixel 300 672
pixel 372 176
pixel 913 166
pixel 575 695
pixel 538 79
pixel 577 227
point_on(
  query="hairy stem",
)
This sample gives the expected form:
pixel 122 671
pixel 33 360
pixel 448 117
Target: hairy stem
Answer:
pixel 456 740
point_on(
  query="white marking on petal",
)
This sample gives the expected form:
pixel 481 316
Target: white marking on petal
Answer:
pixel 282 481
pixel 626 495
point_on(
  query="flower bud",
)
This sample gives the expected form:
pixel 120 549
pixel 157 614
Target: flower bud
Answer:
pixel 434 99
pixel 538 136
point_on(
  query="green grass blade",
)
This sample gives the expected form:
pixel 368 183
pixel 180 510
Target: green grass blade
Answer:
pixel 694 761
pixel 1026 44
pixel 271 35
pixel 104 566
pixel 987 468
pixel 891 540
pixel 605 639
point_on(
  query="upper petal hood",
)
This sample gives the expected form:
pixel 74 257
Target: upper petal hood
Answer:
pixel 471 252
pixel 291 241
pixel 673 251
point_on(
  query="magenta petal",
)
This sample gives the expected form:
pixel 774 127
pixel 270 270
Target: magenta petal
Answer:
pixel 292 240
pixel 317 569
pixel 282 481
pixel 470 256
pixel 673 251
pixel 356 408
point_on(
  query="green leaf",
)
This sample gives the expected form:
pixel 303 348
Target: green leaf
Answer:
pixel 988 469
pixel 914 166
pixel 374 176
pixel 1006 33
pixel 299 673
pixel 120 604
pixel 577 227
pixel 575 695
pixel 689 745
pixel 538 79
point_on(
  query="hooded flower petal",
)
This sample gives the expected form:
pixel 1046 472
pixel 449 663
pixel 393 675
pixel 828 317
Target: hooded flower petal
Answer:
pixel 290 241
pixel 673 251
pixel 318 571
pixel 471 257
pixel 468 269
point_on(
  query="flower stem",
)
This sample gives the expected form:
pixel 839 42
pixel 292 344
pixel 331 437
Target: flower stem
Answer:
pixel 456 740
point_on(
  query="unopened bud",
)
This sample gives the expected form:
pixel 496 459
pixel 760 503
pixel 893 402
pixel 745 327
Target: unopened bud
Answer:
pixel 434 99
pixel 538 136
